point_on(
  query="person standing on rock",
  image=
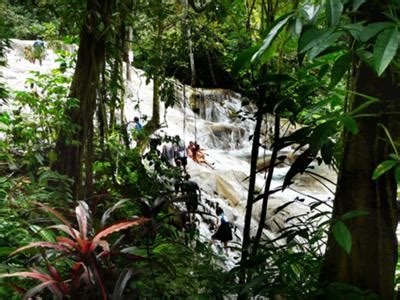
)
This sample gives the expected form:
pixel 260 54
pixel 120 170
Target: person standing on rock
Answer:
pixel 38 50
pixel 180 153
pixel 224 231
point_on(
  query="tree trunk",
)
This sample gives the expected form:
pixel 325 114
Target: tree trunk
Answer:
pixel 250 194
pixel 372 261
pixel 91 54
pixel 211 68
pixel 127 50
pixel 190 46
pixel 101 112
pixel 267 188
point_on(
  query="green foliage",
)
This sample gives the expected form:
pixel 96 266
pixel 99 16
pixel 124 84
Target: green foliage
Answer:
pixel 385 49
pixel 29 140
pixel 271 35
pixel 334 9
pixel 29 19
pixel 342 235
pixel 294 257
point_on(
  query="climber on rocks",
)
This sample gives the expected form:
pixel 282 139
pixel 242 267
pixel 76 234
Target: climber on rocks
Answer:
pixel 191 195
pixel 224 231
pixel 180 153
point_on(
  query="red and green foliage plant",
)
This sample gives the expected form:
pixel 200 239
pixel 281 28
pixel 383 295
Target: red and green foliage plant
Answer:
pixel 90 257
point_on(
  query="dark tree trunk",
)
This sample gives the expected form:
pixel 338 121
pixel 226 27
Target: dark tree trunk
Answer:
pixel 250 195
pixel 91 55
pixel 372 261
pixel 268 182
pixel 210 65
pixel 101 112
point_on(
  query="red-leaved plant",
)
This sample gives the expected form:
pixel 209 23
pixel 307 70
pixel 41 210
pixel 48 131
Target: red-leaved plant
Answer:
pixel 87 250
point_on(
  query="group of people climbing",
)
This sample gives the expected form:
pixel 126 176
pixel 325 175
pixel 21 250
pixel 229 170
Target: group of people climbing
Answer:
pixel 188 191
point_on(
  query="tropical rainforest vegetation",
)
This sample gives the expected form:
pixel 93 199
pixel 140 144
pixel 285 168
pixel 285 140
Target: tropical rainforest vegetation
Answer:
pixel 82 218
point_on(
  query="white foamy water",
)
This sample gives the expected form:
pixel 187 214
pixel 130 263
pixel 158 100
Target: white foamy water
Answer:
pixel 223 135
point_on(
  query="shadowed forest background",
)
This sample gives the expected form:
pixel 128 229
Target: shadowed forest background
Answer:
pixel 91 209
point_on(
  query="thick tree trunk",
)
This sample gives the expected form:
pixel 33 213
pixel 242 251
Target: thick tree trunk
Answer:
pixel 372 260
pixel 371 263
pixel 91 53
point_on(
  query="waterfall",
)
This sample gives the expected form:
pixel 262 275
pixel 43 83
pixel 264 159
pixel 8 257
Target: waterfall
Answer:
pixel 217 117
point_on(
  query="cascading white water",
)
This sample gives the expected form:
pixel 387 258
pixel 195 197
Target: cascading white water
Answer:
pixel 220 131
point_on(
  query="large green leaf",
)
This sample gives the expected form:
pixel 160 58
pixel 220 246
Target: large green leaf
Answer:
pixel 341 65
pixel 323 44
pixel 312 37
pixel 373 29
pixel 383 167
pixel 342 235
pixel 385 49
pixel 334 9
pixel 271 35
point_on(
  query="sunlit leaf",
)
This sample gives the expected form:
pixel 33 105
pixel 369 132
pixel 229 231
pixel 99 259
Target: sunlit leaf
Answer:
pixel 383 167
pixel 271 35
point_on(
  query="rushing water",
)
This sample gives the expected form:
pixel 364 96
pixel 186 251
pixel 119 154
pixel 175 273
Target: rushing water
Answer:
pixel 219 129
